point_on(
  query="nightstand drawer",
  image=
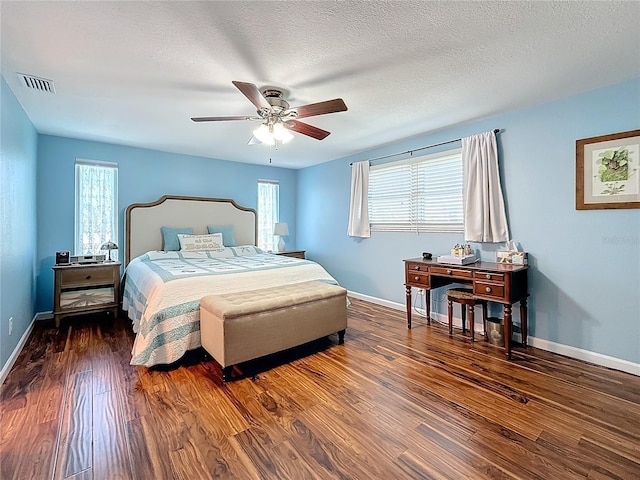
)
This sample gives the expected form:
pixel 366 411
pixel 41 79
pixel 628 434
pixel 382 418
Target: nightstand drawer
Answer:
pixel 80 276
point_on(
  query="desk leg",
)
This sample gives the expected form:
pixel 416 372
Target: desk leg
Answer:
pixel 507 330
pixel 427 305
pixel 523 321
pixel 408 288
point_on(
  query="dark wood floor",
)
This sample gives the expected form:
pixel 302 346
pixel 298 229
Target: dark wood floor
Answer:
pixel 388 404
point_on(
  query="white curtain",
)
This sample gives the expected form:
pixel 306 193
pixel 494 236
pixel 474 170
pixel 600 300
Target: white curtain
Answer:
pixel 485 219
pixel 359 206
pixel 268 213
pixel 96 213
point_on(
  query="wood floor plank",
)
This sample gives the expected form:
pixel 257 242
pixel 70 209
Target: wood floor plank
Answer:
pixel 36 454
pixel 389 403
pixel 581 455
pixel 188 464
pixel 110 449
pixel 143 464
pixel 216 463
pixel 148 448
pixel 257 446
pixel 75 449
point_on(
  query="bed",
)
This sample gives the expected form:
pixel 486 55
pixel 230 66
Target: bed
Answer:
pixel 162 289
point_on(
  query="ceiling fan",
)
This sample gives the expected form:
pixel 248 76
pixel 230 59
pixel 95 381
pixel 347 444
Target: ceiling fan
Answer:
pixel 277 118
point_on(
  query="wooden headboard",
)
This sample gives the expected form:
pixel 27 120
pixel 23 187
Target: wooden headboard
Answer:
pixel 143 221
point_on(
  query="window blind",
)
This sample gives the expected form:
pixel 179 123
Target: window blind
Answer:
pixel 420 194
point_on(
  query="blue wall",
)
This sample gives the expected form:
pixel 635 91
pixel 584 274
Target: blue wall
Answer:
pixel 585 265
pixel 18 143
pixel 143 176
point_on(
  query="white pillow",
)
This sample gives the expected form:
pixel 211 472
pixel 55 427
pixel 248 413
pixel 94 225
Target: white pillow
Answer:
pixel 199 243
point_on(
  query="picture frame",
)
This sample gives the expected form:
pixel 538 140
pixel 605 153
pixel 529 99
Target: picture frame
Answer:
pixel 608 171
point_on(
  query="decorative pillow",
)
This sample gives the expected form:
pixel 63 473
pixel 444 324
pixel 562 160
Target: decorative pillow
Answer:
pixel 170 237
pixel 227 234
pixel 199 243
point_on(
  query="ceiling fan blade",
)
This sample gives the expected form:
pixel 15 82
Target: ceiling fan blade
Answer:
pixel 222 119
pixel 321 108
pixel 250 91
pixel 306 129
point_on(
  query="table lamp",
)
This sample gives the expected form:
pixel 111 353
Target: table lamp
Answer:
pixel 280 230
pixel 109 246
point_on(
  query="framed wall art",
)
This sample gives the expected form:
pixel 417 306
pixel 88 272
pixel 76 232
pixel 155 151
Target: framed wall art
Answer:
pixel 608 171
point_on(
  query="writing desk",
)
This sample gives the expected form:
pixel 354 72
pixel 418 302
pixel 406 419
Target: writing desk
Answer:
pixel 496 282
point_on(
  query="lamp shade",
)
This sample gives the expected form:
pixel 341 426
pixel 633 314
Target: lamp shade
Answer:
pixel 109 246
pixel 281 229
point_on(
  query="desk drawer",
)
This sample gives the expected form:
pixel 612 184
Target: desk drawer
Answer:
pixel 492 276
pixel 417 267
pixel 485 289
pixel 417 279
pixel 451 272
pixel 90 276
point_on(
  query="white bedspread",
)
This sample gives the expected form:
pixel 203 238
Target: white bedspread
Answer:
pixel 163 289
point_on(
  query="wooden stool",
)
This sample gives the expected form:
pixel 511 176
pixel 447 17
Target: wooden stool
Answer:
pixel 467 301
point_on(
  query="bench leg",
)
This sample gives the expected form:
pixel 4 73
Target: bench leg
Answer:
pixel 341 337
pixel 226 373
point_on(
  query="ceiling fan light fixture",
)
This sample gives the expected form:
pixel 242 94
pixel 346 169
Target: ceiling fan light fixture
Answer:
pixel 279 120
pixel 281 134
pixel 264 134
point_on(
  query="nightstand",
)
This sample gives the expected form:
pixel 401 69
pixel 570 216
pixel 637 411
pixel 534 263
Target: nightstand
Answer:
pixel 292 253
pixel 80 289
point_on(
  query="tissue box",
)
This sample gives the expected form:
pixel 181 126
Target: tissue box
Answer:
pixel 515 258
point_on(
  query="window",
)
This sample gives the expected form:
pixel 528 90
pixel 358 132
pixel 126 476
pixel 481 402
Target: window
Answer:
pixel 96 219
pixel 420 194
pixel 268 213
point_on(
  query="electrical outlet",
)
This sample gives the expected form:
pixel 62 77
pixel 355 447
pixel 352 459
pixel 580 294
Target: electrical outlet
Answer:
pixel 420 291
pixel 10 325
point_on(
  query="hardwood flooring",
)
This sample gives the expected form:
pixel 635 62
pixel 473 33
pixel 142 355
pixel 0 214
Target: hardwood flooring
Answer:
pixel 390 403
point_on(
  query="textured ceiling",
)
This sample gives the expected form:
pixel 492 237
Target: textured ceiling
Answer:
pixel 134 73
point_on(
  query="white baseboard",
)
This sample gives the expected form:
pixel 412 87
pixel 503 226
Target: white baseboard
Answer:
pixel 585 355
pixel 376 300
pixel 16 351
pixel 566 350
pixel 44 316
pixel 438 317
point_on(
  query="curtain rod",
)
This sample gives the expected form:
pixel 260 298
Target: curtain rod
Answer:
pixel 495 130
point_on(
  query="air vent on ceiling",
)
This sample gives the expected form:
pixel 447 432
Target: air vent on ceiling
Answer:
pixel 40 84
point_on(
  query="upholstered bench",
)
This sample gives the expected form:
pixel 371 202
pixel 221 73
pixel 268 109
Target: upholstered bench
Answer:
pixel 236 327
